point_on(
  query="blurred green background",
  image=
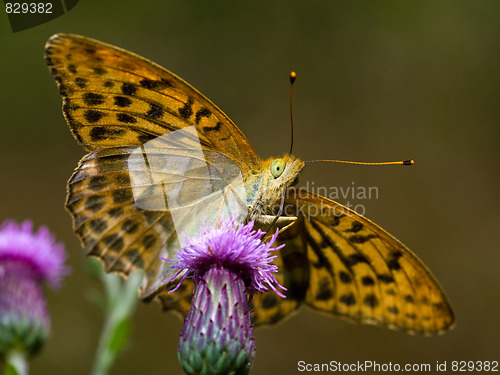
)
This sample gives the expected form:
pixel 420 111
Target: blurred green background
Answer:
pixel 377 80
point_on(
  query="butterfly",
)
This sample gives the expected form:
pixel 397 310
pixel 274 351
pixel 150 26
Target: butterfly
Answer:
pixel 118 104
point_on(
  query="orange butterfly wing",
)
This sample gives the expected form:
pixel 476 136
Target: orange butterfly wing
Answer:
pixel 115 98
pixel 343 264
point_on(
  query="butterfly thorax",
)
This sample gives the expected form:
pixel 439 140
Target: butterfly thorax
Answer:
pixel 265 187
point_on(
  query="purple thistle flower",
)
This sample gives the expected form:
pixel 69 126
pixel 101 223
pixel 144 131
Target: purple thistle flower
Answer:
pixel 228 264
pixel 27 260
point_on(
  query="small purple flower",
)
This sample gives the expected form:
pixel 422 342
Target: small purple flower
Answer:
pixel 27 260
pixel 227 264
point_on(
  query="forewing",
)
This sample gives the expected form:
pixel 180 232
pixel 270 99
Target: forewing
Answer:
pixel 114 98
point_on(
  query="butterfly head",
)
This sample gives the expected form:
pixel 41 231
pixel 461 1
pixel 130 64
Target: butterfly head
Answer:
pixel 283 173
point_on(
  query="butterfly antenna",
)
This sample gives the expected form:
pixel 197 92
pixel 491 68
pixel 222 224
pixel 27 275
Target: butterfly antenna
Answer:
pixel 401 162
pixel 293 75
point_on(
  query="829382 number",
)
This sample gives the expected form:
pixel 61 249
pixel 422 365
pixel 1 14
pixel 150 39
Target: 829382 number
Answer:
pixel 23 8
pixel 469 366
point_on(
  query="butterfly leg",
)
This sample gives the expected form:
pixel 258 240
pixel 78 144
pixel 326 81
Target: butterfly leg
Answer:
pixel 282 223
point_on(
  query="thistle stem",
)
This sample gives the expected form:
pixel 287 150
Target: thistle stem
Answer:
pixel 16 363
pixel 122 299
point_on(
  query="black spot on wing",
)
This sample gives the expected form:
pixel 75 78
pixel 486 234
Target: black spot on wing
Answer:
pixel 393 310
pixel 324 294
pixel 187 110
pixel 356 258
pixel 439 306
pixel 126 119
pixel 121 196
pixel 148 83
pixel 386 279
pixel 213 128
pixel 122 101
pixel 203 112
pixel 114 242
pixel 94 203
pixel 99 133
pixel 152 84
pixel 155 111
pixel 371 300
pixel 92 115
pixel 358 238
pixel 115 212
pixel 130 226
pixel 367 281
pixel 345 277
pixel 348 299
pixel 91 98
pixel 356 226
pixel 98 183
pixel 81 82
pixel 128 88
pixel 396 254
pixel 63 89
pixel 393 264
pixel 325 291
pixel 100 71
pixel 98 225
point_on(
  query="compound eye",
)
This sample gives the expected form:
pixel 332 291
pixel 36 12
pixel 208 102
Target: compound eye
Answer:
pixel 277 167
